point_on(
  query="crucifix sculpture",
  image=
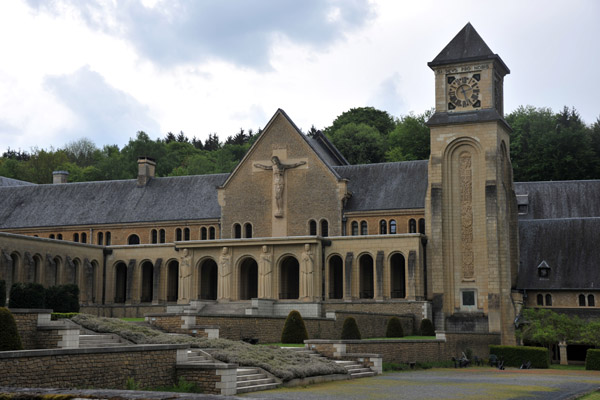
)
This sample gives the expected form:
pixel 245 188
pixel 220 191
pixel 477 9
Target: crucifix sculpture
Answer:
pixel 279 180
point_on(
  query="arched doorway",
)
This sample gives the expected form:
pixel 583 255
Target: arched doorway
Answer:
pixel 14 272
pixel 147 282
pixel 397 276
pixel 366 277
pixel 37 270
pixel 248 279
pixel 120 282
pixel 289 278
pixel 336 277
pixel 208 280
pixel 91 283
pixel 51 272
pixel 173 280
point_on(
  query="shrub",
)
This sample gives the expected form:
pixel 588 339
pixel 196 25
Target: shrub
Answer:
pixel 350 329
pixel 294 330
pixel 514 356
pixel 63 298
pixel 394 328
pixel 2 293
pixel 55 316
pixel 427 327
pixel 592 359
pixel 9 335
pixel 26 295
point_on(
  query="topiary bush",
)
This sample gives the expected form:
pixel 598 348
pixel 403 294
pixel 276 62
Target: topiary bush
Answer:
pixel 2 293
pixel 26 295
pixel 350 329
pixel 427 328
pixel 514 356
pixel 394 328
pixel 592 359
pixel 294 330
pixel 63 298
pixel 9 335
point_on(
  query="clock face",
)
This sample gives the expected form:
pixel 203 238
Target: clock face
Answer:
pixel 463 92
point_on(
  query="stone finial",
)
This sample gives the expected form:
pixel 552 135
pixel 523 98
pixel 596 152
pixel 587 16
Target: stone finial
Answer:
pixel 146 170
pixel 60 177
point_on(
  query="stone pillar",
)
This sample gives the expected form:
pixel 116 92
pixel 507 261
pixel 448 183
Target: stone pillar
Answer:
pixel 562 350
pixel 348 276
pixel 379 275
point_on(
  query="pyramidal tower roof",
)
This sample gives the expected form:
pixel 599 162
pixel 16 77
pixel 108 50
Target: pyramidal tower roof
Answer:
pixel 467 45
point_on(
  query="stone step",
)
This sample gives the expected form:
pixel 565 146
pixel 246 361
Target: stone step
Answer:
pixel 256 388
pixel 255 382
pixel 363 375
pixel 247 371
pixel 358 370
pixel 345 362
pixel 250 377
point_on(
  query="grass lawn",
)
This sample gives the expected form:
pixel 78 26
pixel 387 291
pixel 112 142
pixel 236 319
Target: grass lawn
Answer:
pixel 568 367
pixel 133 319
pixel 591 396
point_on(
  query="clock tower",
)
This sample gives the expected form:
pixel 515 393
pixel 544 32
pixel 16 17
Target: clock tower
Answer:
pixel 470 205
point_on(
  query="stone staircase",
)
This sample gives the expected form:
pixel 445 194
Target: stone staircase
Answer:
pixel 355 369
pixel 250 379
pixel 89 340
pixel 197 356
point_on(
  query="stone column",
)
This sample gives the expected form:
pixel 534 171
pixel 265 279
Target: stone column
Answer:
pixel 562 350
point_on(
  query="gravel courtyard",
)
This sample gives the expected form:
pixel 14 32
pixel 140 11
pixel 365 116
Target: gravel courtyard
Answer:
pixel 472 383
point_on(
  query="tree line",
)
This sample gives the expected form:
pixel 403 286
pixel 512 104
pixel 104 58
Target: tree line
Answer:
pixel 544 146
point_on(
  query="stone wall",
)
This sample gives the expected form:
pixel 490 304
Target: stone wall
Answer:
pixel 27 326
pixel 37 331
pixel 268 329
pixel 148 365
pixel 443 348
pixel 213 380
pixel 122 311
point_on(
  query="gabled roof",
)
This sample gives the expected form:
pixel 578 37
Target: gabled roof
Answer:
pixel 559 199
pixel 13 182
pixel 570 248
pixel 386 186
pixel 466 46
pixel 108 202
pixel 324 149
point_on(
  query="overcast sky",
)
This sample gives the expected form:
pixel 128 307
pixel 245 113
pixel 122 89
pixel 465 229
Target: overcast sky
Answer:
pixel 106 69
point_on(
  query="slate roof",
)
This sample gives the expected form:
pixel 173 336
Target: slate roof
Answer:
pixel 326 150
pixel 570 247
pixel 386 186
pixel 466 46
pixel 559 199
pixel 106 202
pixel 13 182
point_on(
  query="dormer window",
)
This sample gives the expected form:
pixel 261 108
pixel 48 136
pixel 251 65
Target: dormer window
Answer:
pixel 543 270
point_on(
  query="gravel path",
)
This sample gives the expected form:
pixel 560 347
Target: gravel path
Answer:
pixel 464 384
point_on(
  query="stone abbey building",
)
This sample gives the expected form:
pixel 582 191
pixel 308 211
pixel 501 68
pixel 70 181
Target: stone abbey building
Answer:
pixel 294 226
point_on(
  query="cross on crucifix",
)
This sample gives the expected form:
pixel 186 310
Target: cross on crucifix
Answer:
pixel 279 180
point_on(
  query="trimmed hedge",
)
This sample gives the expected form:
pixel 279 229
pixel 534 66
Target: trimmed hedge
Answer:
pixel 394 328
pixel 350 330
pixel 2 293
pixel 294 330
pixel 514 356
pixel 27 295
pixel 592 359
pixel 9 335
pixel 63 298
pixel 427 328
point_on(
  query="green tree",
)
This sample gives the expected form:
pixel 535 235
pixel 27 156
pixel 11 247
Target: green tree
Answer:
pixel 82 152
pixel 380 120
pixel 410 139
pixel 547 327
pixel 359 143
pixel 350 330
pixel 547 146
pixel 294 330
pixel 9 335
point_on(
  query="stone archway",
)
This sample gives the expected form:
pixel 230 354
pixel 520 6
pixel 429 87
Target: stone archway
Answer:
pixel 209 275
pixel 366 287
pixel 397 276
pixel 172 280
pixel 336 277
pixel 289 278
pixel 147 281
pixel 120 282
pixel 248 279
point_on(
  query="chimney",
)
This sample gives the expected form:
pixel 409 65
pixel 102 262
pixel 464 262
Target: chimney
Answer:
pixel 146 167
pixel 60 177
